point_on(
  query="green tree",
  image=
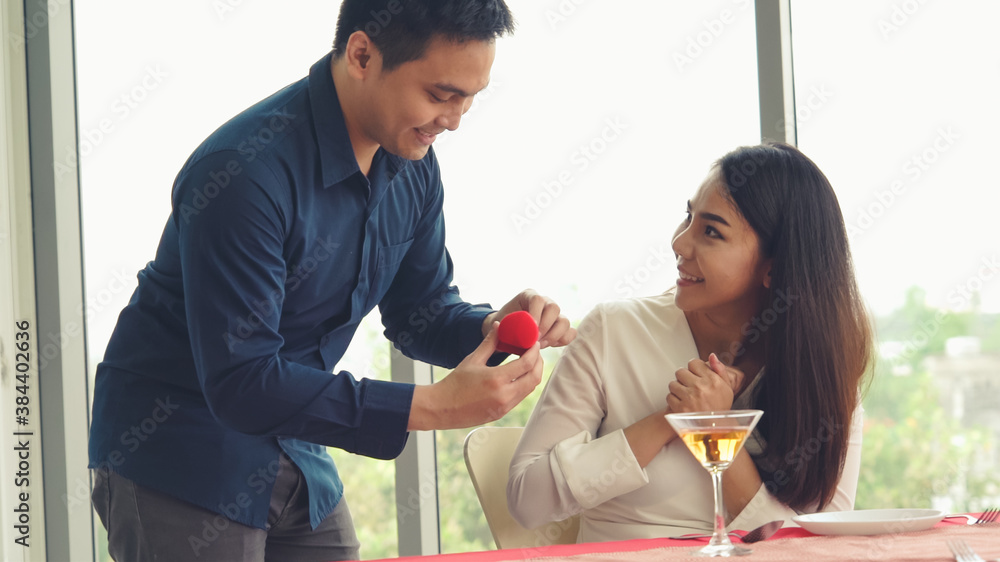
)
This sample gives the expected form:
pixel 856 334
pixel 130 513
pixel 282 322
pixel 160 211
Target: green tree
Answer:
pixel 463 525
pixel 370 489
pixel 369 484
pixel 923 330
pixel 912 451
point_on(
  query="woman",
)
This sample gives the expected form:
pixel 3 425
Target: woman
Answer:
pixel 765 284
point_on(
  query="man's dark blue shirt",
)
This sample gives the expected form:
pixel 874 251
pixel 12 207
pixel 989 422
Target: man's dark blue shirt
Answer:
pixel 276 247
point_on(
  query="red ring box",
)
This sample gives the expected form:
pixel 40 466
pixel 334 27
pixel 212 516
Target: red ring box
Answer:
pixel 517 333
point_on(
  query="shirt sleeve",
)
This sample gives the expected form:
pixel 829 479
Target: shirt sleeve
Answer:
pixel 764 507
pixel 423 314
pixel 231 238
pixel 559 467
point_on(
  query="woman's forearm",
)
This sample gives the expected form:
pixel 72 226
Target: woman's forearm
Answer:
pixel 648 436
pixel 740 483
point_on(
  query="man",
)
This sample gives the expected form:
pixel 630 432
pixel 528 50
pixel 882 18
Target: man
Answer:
pixel 215 400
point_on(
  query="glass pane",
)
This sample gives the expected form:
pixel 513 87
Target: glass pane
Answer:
pixel 896 102
pixel 369 484
pixel 154 80
pixel 571 171
pixel 612 128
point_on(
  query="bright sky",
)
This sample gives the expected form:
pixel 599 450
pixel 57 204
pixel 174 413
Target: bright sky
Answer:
pixel 571 171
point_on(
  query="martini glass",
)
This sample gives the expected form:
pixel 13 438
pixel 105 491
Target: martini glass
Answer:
pixel 715 438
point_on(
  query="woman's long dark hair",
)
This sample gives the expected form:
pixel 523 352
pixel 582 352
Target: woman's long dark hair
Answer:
pixel 818 341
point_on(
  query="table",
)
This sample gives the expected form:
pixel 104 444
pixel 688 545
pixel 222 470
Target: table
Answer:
pixel 787 544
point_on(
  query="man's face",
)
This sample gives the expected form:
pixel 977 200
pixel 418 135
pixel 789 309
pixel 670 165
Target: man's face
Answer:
pixel 414 102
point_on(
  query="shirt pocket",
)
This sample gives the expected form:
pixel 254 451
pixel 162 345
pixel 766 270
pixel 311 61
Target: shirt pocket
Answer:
pixel 387 263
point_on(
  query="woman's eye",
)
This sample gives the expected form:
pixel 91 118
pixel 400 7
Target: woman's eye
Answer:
pixel 687 217
pixel 436 99
pixel 711 232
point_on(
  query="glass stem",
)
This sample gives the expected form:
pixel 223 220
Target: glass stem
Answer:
pixel 719 536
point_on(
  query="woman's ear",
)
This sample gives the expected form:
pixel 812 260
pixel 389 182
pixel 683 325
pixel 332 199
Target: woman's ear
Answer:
pixel 767 274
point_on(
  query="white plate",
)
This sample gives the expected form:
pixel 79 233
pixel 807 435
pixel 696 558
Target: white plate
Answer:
pixel 869 521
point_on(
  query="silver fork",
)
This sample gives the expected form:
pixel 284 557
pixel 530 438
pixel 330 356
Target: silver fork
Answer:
pixel 988 516
pixel 962 552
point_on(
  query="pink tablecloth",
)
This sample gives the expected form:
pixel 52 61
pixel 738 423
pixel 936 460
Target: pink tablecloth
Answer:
pixel 787 544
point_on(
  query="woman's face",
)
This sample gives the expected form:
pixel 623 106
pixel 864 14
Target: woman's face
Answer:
pixel 720 267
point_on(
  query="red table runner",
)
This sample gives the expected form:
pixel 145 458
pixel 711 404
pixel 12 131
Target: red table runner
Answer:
pixel 787 544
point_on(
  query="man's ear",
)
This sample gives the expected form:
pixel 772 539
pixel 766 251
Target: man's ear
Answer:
pixel 360 55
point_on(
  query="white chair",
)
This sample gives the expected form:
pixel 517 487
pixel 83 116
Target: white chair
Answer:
pixel 488 451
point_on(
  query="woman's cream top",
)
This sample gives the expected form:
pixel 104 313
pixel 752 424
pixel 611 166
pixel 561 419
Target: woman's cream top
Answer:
pixel 573 457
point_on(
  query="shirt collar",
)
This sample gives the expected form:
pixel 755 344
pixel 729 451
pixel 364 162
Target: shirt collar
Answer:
pixel 337 159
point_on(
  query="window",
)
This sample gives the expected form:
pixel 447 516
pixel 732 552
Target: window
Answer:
pixel 895 102
pixel 571 170
pixel 153 81
pixel 568 175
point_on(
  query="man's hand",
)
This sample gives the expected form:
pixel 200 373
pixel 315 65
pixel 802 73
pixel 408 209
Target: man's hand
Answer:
pixel 704 386
pixel 553 328
pixel 474 394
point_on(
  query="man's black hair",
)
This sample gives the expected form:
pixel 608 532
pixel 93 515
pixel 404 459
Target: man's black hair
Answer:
pixel 402 29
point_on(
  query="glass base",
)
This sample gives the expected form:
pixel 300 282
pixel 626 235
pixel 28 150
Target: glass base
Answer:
pixel 721 550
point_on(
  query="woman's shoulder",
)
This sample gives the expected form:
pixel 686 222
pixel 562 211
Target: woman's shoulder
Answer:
pixel 638 317
pixel 645 326
pixel 655 307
